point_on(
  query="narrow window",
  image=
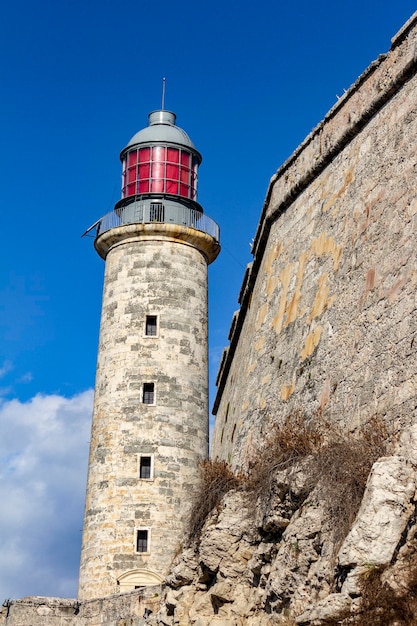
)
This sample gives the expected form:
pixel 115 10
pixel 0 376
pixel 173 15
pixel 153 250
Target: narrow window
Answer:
pixel 148 393
pixel 227 412
pixel 151 325
pixel 145 467
pixel 142 542
pixel 233 433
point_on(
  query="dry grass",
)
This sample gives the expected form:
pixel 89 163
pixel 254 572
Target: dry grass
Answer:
pixel 287 444
pixel 340 469
pixel 381 606
pixel 216 480
pixel 337 464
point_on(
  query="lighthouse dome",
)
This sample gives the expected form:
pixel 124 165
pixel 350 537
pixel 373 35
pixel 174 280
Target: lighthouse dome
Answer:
pixel 161 129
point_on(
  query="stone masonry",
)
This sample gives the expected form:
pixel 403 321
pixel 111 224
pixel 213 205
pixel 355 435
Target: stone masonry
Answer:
pixel 147 272
pixel 127 609
pixel 328 307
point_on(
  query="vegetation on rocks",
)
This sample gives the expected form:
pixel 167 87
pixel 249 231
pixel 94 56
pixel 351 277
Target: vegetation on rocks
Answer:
pixel 216 480
pixel 310 534
pixel 336 463
pixel 383 604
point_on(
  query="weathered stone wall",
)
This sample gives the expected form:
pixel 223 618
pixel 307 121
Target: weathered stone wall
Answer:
pixel 328 315
pixel 150 270
pixel 128 609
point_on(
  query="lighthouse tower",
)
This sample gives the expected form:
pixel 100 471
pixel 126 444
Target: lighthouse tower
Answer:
pixel 150 419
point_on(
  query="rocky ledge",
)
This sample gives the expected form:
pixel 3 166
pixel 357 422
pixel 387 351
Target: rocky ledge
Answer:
pixel 280 561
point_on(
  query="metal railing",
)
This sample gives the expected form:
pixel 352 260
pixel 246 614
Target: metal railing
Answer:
pixel 138 213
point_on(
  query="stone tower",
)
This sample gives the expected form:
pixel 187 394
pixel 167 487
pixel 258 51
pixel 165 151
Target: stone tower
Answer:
pixel 150 418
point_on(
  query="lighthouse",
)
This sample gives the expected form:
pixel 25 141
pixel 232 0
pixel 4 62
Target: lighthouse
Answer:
pixel 150 416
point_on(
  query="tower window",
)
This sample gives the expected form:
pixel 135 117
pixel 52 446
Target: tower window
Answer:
pixel 148 393
pixel 156 212
pixel 151 325
pixel 142 541
pixel 145 467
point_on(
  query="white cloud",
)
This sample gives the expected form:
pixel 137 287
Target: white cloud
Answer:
pixel 43 465
pixel 5 368
pixel 26 378
pixel 215 354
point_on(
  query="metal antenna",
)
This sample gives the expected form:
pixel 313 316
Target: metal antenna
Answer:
pixel 164 80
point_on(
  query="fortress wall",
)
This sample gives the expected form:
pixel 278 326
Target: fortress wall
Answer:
pixel 127 609
pixel 328 314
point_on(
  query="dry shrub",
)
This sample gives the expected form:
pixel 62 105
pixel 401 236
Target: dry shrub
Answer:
pixel 216 479
pixel 288 443
pixel 340 469
pixel 337 463
pixel 380 605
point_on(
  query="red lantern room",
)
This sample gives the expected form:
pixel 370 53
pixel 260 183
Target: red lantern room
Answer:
pixel 159 181
pixel 160 159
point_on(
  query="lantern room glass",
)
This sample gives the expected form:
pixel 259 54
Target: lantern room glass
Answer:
pixel 160 169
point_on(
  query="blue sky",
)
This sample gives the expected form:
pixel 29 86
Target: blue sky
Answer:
pixel 248 81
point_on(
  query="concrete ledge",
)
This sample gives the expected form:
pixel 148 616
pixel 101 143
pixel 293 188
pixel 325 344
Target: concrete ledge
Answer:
pixel 206 244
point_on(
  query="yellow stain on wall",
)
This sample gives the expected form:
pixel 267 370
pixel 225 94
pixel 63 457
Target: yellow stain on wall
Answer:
pixel 335 197
pixel 322 300
pixel 245 405
pixel 285 278
pixel 252 366
pixel 293 308
pixel 370 279
pixel 272 281
pixel 266 379
pixel 326 245
pixel 369 284
pixel 262 403
pixel 273 254
pixel 271 285
pixel 260 318
pixel 260 344
pixel 311 342
pixel 287 391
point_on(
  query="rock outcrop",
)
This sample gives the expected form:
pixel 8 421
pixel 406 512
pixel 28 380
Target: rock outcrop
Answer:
pixel 278 560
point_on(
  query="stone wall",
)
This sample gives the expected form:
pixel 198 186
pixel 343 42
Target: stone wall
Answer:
pixel 328 307
pixel 128 609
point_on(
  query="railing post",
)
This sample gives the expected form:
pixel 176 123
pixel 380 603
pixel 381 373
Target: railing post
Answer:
pixel 135 213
